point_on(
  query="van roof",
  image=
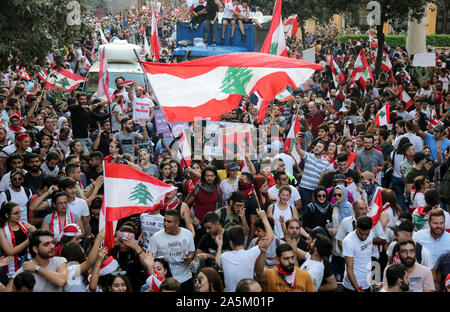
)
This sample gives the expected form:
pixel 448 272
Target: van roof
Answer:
pixel 118 67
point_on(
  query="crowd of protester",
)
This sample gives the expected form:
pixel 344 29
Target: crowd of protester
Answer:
pixel 274 224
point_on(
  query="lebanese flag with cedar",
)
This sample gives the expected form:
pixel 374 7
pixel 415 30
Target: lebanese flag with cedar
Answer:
pixel 434 119
pixel 128 191
pixel 212 86
pixel 63 79
pixel 361 70
pixel 291 26
pixel 382 116
pixel 373 42
pixel 154 38
pixel 377 207
pixel 275 42
pixel 284 96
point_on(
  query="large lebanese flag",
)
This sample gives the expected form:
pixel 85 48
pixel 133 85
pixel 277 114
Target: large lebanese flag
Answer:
pixel 127 191
pixel 275 42
pixel 154 38
pixel 63 79
pixel 361 70
pixel 377 207
pixel 212 86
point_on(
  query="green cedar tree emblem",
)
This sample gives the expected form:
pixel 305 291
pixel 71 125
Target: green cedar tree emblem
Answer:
pixel 274 48
pixel 236 79
pixel 381 114
pixel 141 193
pixel 64 82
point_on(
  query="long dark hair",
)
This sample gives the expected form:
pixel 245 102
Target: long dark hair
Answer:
pixel 6 208
pixel 110 281
pixel 213 169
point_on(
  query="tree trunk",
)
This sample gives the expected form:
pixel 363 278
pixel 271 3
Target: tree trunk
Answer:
pixel 380 38
pixel 303 36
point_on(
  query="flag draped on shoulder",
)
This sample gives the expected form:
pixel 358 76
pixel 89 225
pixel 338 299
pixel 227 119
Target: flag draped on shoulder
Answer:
pixel 361 70
pixel 212 86
pixel 103 78
pixel 63 79
pixel 275 42
pixel 128 191
pixel 382 116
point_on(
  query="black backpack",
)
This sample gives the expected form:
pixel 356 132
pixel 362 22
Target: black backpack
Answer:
pixel 28 192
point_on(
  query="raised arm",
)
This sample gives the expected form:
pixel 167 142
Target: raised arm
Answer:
pixel 298 147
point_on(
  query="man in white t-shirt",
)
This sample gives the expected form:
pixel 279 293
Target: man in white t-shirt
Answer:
pixel 281 179
pixel 229 17
pixel 240 263
pixel 357 250
pixel 50 272
pixel 143 107
pixel 176 244
pixel 77 206
pixel 17 193
pixel 320 248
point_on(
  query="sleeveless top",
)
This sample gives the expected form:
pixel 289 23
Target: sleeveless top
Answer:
pixel 277 212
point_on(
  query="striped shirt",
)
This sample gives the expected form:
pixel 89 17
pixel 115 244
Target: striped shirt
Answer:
pixel 313 169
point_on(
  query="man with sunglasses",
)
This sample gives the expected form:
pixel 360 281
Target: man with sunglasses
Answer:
pixel 17 193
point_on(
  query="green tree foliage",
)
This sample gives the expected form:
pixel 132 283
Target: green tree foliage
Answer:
pixel 29 29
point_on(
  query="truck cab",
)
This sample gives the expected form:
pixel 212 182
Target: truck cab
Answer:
pixel 122 61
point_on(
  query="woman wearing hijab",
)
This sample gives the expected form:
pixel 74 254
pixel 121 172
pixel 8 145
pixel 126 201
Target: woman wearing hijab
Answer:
pixel 319 211
pixel 342 208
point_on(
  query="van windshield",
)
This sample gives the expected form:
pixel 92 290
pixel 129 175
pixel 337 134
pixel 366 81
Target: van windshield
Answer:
pixel 92 83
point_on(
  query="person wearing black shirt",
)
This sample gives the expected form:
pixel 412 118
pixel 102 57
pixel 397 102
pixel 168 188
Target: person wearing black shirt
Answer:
pixel 207 247
pixel 104 137
pixel 82 116
pixel 33 178
pixel 95 168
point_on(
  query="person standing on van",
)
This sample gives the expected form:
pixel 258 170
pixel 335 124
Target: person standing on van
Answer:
pixel 143 107
pixel 212 12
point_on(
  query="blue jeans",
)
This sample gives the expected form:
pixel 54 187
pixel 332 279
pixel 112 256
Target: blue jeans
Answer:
pixel 338 266
pixel 306 197
pixel 398 187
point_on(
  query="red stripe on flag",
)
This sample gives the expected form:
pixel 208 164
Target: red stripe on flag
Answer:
pixel 121 171
pixel 212 109
pixel 141 110
pixel 117 213
pixel 197 67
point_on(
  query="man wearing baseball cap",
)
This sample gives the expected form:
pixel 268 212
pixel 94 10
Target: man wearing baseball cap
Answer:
pixel 438 140
pixel 17 193
pixel 403 229
pixel 14 127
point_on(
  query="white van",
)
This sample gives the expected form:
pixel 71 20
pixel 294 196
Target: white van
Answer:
pixel 122 61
